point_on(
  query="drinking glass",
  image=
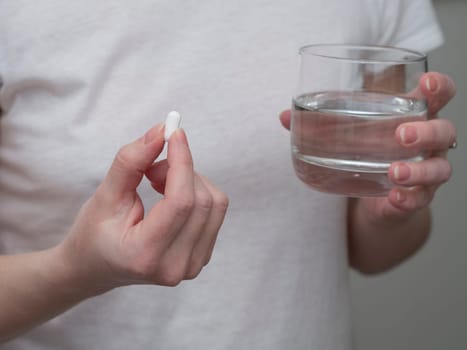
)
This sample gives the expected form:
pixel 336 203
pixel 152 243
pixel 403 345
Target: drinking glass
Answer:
pixel 349 103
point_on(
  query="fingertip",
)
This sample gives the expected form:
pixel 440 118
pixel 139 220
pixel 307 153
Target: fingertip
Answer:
pixel 131 162
pixel 407 134
pixel 428 83
pixel 178 136
pixel 398 197
pixel 399 173
pixel 285 117
pixel 411 199
pixel 431 84
pixel 154 134
pixel 434 82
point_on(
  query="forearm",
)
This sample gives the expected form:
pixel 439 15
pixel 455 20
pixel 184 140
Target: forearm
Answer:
pixel 378 244
pixel 34 288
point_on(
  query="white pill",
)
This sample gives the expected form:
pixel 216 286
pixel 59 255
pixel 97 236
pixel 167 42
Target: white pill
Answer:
pixel 172 123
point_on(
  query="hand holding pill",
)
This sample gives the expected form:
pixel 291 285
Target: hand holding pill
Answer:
pixel 172 242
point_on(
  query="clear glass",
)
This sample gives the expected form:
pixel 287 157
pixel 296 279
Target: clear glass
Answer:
pixel 349 103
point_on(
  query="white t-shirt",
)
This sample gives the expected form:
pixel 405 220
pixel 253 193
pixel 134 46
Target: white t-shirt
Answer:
pixel 82 78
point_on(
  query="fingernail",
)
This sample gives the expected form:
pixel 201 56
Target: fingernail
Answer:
pixel 408 135
pixel 431 84
pixel 150 135
pixel 401 172
pixel 400 196
pixel 179 134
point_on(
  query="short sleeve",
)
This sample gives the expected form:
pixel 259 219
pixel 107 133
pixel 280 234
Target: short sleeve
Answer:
pixel 410 24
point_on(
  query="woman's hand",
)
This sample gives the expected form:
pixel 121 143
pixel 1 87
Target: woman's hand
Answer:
pixel 384 231
pixel 417 182
pixel 112 243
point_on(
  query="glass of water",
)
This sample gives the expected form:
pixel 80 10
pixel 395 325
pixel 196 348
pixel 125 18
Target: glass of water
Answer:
pixel 349 103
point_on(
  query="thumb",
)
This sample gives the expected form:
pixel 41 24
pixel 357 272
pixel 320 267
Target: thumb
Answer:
pixel 132 161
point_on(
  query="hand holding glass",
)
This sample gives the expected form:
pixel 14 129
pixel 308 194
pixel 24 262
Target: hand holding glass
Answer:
pixel 350 101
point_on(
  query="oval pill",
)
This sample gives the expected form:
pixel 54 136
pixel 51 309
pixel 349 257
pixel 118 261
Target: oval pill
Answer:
pixel 172 123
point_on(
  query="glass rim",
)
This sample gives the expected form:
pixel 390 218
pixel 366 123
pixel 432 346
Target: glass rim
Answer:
pixel 414 56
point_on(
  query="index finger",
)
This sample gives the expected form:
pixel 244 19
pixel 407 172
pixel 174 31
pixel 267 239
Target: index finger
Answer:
pixel 130 163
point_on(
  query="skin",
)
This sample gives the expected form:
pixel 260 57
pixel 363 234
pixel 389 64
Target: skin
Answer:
pixel 383 232
pixel 112 244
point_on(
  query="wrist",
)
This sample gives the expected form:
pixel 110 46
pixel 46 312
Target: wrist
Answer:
pixel 378 241
pixel 75 280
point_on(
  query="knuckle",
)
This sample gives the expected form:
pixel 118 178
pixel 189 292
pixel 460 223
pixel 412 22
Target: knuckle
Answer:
pixel 171 281
pixel 221 201
pixel 126 159
pixel 173 276
pixel 196 266
pixel 204 201
pixel 142 268
pixel 183 205
pixel 193 272
pixel 123 157
pixel 207 258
